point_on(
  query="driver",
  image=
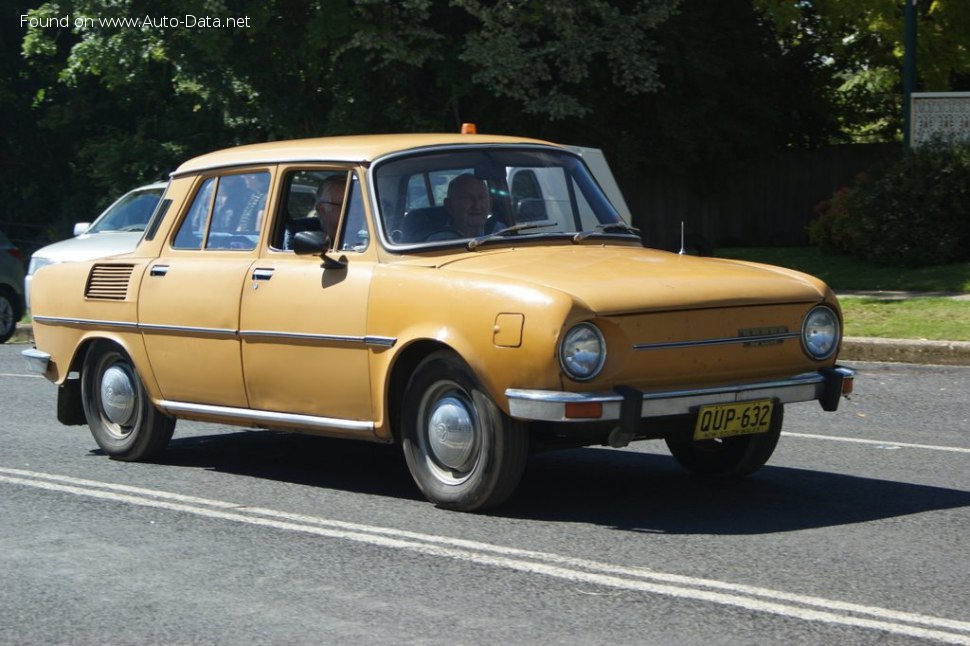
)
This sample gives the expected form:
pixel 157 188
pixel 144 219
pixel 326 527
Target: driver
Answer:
pixel 468 205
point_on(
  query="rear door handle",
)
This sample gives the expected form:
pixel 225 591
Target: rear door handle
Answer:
pixel 263 274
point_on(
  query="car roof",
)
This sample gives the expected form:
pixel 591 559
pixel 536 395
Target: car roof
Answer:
pixel 358 148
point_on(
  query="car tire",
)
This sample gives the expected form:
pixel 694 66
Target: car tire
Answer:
pixel 463 452
pixel 122 418
pixel 732 457
pixel 8 315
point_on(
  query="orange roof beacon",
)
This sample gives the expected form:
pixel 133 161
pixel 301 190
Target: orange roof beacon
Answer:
pixel 477 298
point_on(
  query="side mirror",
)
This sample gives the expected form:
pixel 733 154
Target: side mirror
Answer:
pixel 81 227
pixel 316 243
pixel 310 243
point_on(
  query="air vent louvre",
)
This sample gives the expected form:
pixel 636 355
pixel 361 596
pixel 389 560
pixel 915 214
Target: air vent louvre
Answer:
pixel 109 282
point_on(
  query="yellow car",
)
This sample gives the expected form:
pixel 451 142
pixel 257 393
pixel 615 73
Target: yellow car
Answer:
pixel 473 298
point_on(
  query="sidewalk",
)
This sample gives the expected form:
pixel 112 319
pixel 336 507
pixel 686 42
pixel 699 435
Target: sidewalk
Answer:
pixel 854 348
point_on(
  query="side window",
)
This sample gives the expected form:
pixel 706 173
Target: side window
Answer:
pixel 192 230
pixel 587 216
pixel 355 235
pixel 312 201
pixel 525 186
pixel 417 192
pixel 441 179
pixel 238 211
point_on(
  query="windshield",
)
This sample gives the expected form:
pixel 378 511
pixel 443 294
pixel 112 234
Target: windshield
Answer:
pixel 475 195
pixel 130 213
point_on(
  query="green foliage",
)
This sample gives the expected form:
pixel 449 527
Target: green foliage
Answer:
pixel 685 86
pixel 843 272
pixel 910 214
pixel 942 319
pixel 831 230
pixel 858 44
pixel 915 213
pixel 542 54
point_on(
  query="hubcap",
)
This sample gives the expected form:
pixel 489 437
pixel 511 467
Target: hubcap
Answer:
pixel 118 395
pixel 451 432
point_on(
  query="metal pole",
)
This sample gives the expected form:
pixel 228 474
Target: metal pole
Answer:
pixel 909 66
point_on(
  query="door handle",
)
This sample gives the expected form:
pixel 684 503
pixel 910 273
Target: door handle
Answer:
pixel 263 274
pixel 158 270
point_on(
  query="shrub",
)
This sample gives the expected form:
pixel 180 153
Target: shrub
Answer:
pixel 831 230
pixel 913 213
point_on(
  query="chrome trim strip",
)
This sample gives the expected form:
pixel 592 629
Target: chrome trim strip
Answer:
pixel 548 405
pixel 710 342
pixel 263 161
pixel 209 331
pixel 36 360
pixel 267 416
pixel 379 341
pixel 373 341
pixel 63 320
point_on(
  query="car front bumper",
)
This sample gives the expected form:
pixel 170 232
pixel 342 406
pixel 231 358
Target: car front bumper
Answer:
pixel 629 405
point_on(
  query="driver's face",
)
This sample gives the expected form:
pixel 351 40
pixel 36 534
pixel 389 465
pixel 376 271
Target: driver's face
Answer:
pixel 468 204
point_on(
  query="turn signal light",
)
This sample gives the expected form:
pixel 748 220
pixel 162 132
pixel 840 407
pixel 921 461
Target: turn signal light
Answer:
pixel 469 129
pixel 584 410
pixel 847 384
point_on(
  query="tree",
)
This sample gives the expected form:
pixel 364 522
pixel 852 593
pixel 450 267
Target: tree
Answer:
pixel 860 43
pixel 684 85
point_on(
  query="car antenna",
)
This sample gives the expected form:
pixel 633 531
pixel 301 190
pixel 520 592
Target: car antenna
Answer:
pixel 682 250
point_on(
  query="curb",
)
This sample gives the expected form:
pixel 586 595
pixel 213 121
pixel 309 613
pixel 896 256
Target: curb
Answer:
pixel 944 353
pixel 854 348
pixel 23 334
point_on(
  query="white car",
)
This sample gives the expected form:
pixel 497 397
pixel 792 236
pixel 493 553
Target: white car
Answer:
pixel 117 230
pixel 11 287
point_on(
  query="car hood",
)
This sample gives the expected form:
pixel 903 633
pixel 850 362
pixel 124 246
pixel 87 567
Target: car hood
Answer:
pixel 618 279
pixel 90 246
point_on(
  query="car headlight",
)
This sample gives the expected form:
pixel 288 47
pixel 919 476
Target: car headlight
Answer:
pixel 582 351
pixel 821 332
pixel 36 263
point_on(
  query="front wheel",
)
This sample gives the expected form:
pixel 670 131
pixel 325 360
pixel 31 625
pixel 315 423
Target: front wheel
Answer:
pixel 463 452
pixel 123 420
pixel 8 315
pixel 731 457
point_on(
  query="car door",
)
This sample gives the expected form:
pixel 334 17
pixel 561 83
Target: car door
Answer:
pixel 189 301
pixel 303 326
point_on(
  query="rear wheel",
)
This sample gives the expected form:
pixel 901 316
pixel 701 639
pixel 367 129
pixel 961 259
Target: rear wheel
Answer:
pixel 123 420
pixel 463 452
pixel 731 457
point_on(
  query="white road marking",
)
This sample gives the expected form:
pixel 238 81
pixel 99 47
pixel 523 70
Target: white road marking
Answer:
pixel 805 607
pixel 880 443
pixel 18 374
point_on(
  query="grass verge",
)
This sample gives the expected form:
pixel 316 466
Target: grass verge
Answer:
pixel 848 273
pixel 940 319
pixel 935 319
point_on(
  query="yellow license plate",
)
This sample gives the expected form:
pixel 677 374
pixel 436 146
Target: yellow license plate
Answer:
pixel 725 420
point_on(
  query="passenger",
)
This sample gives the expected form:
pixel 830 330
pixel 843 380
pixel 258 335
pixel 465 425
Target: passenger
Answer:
pixel 330 197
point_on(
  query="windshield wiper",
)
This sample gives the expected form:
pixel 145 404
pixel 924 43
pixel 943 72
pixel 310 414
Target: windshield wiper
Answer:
pixel 501 233
pixel 604 227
